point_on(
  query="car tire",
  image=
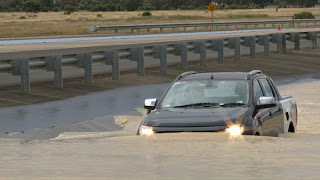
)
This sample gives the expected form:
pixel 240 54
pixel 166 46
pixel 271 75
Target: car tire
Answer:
pixel 291 128
pixel 258 131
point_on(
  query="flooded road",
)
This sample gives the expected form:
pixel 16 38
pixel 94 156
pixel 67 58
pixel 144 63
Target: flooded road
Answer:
pixel 95 105
pixel 123 155
pixel 77 109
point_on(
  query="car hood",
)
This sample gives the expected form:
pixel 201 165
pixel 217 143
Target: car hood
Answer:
pixel 195 117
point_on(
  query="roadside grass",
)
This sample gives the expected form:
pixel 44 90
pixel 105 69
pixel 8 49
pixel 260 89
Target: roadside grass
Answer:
pixel 58 24
pixel 241 16
pixel 166 18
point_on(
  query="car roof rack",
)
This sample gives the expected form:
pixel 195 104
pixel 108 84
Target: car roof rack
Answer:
pixel 185 74
pixel 253 72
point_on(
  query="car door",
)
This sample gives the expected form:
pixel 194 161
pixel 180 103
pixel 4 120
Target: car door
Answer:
pixel 263 114
pixel 275 113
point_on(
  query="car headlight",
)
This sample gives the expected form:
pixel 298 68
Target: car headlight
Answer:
pixel 235 130
pixel 146 130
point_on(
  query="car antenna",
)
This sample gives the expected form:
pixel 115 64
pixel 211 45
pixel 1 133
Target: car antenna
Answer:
pixel 212 75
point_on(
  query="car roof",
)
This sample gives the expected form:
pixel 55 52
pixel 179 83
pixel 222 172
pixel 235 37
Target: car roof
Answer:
pixel 219 75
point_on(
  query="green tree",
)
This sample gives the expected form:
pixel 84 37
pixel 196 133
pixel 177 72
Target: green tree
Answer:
pixel 262 3
pixel 31 6
pixel 130 5
pixel 70 8
pixel 111 6
pixel 46 5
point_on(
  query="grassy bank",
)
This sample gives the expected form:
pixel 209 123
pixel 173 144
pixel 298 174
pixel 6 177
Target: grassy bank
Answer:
pixel 58 24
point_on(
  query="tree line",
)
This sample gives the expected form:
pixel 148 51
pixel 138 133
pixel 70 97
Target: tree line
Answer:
pixel 132 5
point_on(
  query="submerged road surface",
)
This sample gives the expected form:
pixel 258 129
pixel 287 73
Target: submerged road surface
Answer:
pixel 175 155
pixel 89 107
pixel 77 109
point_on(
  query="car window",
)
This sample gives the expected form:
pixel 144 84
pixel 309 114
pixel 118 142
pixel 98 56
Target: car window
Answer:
pixel 257 90
pixel 266 87
pixel 207 91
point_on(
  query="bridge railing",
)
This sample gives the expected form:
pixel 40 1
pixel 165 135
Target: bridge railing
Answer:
pixel 137 52
pixel 207 26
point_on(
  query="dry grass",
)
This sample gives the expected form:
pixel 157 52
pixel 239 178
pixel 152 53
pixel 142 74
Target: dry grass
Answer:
pixel 58 24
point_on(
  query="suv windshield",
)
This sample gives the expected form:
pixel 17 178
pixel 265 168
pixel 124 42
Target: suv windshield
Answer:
pixel 207 93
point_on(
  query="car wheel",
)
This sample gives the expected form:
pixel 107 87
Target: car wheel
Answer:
pixel 258 131
pixel 291 128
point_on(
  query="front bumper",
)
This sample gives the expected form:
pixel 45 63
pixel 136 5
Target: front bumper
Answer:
pixel 189 129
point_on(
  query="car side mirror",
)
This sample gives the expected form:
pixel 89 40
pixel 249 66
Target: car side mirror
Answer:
pixel 150 104
pixel 266 102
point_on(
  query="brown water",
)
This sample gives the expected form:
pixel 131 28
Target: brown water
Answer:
pixel 174 156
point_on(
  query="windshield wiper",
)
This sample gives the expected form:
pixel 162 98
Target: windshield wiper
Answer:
pixel 231 104
pixel 197 105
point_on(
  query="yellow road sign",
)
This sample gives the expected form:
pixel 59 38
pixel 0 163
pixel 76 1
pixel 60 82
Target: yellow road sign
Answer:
pixel 212 7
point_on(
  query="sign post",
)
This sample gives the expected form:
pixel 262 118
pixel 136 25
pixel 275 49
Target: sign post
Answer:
pixel 211 8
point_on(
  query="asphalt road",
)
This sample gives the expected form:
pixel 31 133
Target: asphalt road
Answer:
pixel 50 40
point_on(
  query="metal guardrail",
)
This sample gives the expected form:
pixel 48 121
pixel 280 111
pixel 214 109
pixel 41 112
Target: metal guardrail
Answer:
pixel 236 25
pixel 23 66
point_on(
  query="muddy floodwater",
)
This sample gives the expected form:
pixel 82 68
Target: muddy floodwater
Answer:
pixel 122 155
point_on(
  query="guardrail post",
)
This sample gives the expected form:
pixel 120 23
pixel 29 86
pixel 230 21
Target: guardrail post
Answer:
pixel 277 38
pixel 54 64
pixel 297 41
pixel 116 30
pixel 112 58
pixel 284 43
pixel 217 45
pixel 148 29
pixel 195 28
pixel 264 40
pixel 234 43
pixel 137 54
pixel 295 37
pixel 201 48
pixel 21 68
pixel 93 28
pixel 251 42
pixel 313 37
pixel 84 60
pixel 184 28
pixel 160 52
pixel 182 50
pixel 132 30
pixel 161 29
